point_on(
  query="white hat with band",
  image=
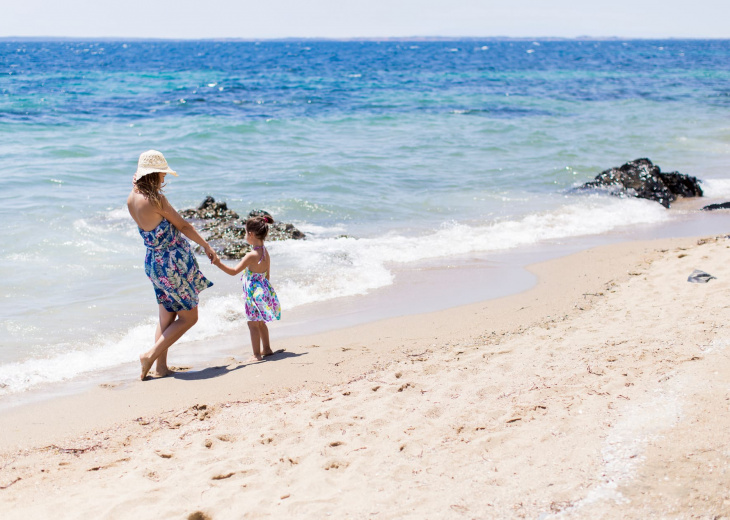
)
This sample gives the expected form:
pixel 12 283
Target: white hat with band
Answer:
pixel 152 161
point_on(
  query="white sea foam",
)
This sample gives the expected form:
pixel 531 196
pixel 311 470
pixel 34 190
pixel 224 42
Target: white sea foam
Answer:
pixel 23 375
pixel 321 269
pixel 318 270
pixel 716 188
pixel 217 316
pixel 313 229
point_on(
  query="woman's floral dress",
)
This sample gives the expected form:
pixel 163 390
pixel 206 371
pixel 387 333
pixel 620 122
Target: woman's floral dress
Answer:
pixel 172 268
pixel 262 304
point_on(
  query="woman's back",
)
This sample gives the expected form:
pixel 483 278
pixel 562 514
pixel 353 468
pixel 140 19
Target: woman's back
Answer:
pixel 143 211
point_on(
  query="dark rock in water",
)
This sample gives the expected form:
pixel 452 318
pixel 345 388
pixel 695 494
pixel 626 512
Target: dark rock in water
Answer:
pixel 722 205
pixel 259 213
pixel 641 178
pixel 682 185
pixel 278 230
pixel 225 231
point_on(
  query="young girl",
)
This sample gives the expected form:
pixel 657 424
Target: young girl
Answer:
pixel 262 304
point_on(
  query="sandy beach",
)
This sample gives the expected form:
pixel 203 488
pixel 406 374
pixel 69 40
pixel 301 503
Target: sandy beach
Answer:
pixel 602 392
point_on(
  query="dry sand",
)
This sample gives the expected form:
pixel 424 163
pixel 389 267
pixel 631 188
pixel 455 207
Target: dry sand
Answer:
pixel 604 392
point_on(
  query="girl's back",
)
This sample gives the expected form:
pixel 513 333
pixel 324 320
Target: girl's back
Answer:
pixel 260 260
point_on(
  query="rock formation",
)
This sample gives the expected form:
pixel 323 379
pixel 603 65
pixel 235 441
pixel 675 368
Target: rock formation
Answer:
pixel 712 207
pixel 225 231
pixel 641 178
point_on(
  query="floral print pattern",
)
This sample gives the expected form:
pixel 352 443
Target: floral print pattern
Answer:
pixel 262 304
pixel 172 268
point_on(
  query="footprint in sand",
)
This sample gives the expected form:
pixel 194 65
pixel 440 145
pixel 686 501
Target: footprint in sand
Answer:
pixel 201 411
pixel 153 475
pixel 336 464
pixel 223 476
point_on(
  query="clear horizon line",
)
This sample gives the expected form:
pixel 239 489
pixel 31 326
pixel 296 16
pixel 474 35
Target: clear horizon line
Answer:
pixel 358 38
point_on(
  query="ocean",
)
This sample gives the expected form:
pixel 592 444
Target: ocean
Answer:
pixel 393 157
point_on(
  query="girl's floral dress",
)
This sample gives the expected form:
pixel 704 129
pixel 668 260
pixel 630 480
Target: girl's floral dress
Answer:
pixel 172 268
pixel 262 304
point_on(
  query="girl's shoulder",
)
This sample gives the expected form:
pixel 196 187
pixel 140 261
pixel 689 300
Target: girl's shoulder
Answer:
pixel 256 262
pixel 251 255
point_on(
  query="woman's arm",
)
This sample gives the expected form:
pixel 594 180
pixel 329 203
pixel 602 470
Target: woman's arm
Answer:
pixel 186 228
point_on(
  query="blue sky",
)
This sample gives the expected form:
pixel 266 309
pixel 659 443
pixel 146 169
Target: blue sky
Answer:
pixel 365 18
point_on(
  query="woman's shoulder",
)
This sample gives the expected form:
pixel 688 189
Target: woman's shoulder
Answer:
pixel 144 213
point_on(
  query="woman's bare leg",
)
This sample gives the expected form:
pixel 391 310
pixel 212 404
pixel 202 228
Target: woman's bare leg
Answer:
pixel 266 346
pixel 185 320
pixel 253 328
pixel 166 319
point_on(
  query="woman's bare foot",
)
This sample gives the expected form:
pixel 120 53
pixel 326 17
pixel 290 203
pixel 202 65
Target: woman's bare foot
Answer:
pixel 146 365
pixel 267 352
pixel 255 358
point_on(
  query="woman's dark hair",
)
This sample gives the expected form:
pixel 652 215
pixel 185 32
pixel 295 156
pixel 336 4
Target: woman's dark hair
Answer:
pixel 150 186
pixel 259 226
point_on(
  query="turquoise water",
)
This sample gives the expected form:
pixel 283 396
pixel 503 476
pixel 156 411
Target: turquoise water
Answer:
pixel 415 151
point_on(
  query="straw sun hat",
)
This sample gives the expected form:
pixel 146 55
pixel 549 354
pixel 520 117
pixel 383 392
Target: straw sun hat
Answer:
pixel 152 161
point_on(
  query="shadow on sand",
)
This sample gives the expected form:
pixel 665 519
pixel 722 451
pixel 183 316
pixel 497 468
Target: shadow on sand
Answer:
pixel 218 371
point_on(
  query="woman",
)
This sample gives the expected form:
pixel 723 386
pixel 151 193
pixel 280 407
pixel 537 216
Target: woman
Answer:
pixel 169 263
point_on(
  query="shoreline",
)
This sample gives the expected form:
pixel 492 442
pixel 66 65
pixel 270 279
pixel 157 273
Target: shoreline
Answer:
pixel 502 310
pixel 422 287
pixel 568 398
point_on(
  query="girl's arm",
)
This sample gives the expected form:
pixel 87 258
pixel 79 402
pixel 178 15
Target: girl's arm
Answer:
pixel 186 228
pixel 245 262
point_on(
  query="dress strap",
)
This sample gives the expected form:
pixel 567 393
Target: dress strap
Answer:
pixel 263 253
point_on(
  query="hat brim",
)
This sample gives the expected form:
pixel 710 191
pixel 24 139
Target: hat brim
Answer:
pixel 141 172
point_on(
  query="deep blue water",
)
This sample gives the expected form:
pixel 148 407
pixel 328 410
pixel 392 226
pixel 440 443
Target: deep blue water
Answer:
pixel 66 82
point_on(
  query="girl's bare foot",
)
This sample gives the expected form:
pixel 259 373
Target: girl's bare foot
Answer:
pixel 164 372
pixel 255 358
pixel 146 365
pixel 267 352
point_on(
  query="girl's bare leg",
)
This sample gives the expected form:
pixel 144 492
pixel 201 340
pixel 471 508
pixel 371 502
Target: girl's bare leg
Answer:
pixel 166 319
pixel 185 320
pixel 266 346
pixel 255 331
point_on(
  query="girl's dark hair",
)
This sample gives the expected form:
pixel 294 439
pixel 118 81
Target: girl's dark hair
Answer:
pixel 259 226
pixel 151 186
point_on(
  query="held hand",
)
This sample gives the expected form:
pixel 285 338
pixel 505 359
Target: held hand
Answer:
pixel 212 256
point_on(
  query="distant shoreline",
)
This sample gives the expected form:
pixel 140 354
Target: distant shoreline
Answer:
pixel 353 39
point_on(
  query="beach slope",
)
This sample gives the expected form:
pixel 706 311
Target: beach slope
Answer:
pixel 603 392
